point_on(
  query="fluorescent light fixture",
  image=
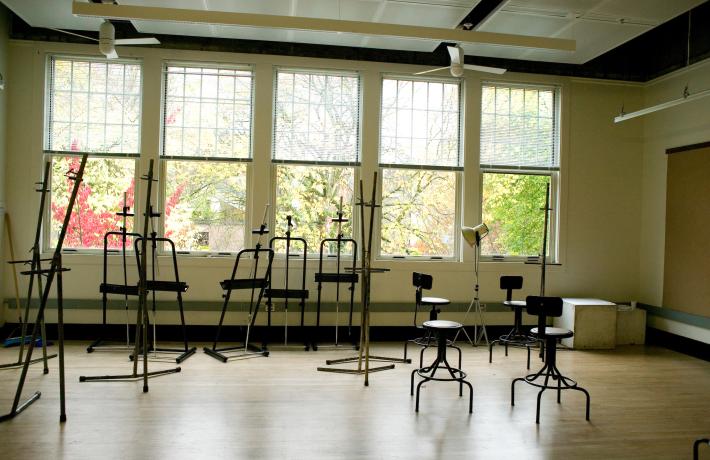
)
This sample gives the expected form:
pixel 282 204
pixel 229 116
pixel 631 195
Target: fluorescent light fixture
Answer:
pixel 474 235
pixel 687 97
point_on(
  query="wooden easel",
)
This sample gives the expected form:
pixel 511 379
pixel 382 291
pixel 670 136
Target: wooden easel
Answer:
pixel 365 271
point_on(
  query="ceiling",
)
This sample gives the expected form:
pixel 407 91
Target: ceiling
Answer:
pixel 597 26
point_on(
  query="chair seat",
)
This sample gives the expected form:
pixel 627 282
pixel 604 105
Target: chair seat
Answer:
pixel 554 332
pixel 515 303
pixel 435 301
pixel 442 324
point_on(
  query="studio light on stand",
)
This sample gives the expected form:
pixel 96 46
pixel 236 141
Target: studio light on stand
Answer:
pixel 473 237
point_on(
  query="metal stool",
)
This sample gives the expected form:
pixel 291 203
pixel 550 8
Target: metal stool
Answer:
pixel 421 281
pixel 544 307
pixel 517 336
pixel 440 328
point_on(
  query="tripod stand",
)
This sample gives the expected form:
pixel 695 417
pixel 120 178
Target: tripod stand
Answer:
pixel 473 237
pixel 55 269
pixel 141 337
pixel 365 271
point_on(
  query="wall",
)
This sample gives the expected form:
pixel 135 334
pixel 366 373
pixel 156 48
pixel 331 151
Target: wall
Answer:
pixel 678 126
pixel 4 48
pixel 600 189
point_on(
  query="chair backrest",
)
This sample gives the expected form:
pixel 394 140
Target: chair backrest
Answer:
pixel 543 307
pixel 509 283
pixel 420 281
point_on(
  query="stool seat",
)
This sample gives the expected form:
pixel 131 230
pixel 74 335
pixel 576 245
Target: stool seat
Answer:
pixel 434 301
pixel 554 332
pixel 442 324
pixel 515 303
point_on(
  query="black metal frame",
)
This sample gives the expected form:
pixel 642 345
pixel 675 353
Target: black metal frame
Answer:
pixel 106 288
pixel 247 350
pixel 153 285
pixel 35 265
pixel 288 293
pixel 517 337
pixel 337 278
pixel 544 307
pixel 141 330
pixel 428 373
pixel 55 269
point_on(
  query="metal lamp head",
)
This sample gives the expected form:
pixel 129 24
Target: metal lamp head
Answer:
pixel 474 235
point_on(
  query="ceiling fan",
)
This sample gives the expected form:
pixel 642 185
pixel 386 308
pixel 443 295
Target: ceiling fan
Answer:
pixel 457 66
pixel 107 39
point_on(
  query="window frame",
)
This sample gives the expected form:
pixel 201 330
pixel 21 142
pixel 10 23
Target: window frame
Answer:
pixel 553 241
pixel 456 255
pixel 163 159
pixel 49 154
pixel 314 252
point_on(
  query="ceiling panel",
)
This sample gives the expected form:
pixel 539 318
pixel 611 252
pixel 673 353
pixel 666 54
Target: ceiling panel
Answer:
pixel 54 14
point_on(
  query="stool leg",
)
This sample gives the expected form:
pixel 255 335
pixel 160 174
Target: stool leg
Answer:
pixel 506 349
pixel 411 385
pixel 470 396
pixel 418 387
pixel 537 413
pixel 490 351
pixel 512 390
pixel 405 349
pixel 559 389
pixel 528 347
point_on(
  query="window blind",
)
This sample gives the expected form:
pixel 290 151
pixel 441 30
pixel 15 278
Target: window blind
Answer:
pixel 316 117
pixel 207 112
pixel 93 106
pixel 420 124
pixel 519 127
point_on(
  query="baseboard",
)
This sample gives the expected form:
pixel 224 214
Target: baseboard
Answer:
pixel 678 343
pixel 274 335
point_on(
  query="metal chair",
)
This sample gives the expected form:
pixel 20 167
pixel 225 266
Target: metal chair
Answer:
pixel 421 282
pixel 545 307
pixel 517 336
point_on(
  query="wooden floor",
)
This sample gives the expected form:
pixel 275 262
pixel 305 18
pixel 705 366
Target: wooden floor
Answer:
pixel 646 403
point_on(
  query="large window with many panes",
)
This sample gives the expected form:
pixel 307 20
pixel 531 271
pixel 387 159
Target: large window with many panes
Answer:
pixel 92 106
pixel 420 159
pixel 316 150
pixel 206 150
pixel 519 159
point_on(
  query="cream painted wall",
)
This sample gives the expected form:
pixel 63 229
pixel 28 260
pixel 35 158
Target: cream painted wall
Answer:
pixel 4 44
pixel 681 125
pixel 600 182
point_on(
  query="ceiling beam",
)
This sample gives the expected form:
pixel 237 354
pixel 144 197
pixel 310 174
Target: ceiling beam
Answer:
pixel 146 13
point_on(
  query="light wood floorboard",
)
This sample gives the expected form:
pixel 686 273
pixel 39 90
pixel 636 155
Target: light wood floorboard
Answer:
pixel 647 403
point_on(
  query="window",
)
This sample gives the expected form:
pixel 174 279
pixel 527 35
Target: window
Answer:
pixel 93 106
pixel 519 157
pixel 315 151
pixel 420 157
pixel 206 147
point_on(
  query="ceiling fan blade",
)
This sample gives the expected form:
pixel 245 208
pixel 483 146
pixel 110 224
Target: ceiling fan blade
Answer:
pixel 432 70
pixel 456 53
pixel 112 55
pixel 72 33
pixel 483 68
pixel 138 41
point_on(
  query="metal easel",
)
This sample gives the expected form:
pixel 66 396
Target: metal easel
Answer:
pixel 55 269
pixel 254 283
pixel 141 337
pixel 337 278
pixel 366 270
pixel 35 264
pixel 154 285
pixel 106 288
pixel 288 293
